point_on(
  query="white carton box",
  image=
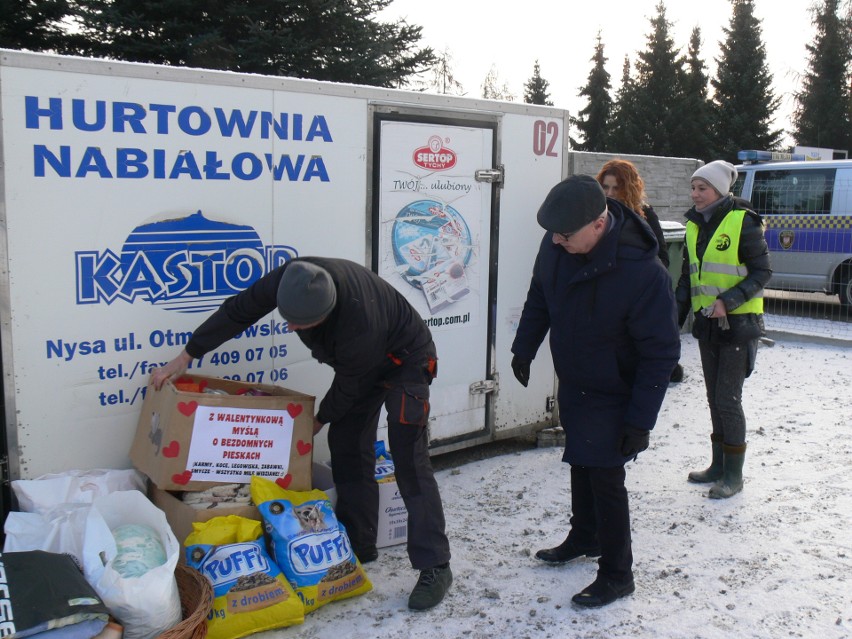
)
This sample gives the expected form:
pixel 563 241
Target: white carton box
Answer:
pixel 393 517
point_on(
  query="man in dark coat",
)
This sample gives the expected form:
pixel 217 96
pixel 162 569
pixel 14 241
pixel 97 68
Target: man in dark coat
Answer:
pixel 608 304
pixel 382 353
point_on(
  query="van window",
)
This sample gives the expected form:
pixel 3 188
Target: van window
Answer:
pixel 793 192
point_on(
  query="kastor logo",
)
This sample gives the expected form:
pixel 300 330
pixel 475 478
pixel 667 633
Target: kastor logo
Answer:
pixel 189 265
pixel 435 156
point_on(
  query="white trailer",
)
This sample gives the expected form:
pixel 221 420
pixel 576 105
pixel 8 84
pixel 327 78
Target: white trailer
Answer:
pixel 135 198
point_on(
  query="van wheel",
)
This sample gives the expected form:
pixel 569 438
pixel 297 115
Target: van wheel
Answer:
pixel 844 285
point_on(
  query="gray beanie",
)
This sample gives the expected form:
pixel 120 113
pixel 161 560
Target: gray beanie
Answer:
pixel 306 293
pixel 571 204
pixel 720 175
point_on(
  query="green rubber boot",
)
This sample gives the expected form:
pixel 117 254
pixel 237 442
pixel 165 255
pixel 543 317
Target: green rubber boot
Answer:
pixel 732 474
pixel 714 471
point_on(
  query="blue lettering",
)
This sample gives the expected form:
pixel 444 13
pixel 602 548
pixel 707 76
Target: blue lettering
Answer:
pixel 61 165
pixel 316 168
pixel 78 115
pixel 285 164
pixel 95 276
pixel 93 160
pixel 185 165
pixel 141 277
pixel 255 166
pixel 227 124
pixel 162 111
pixel 128 113
pixel 319 128
pixel 185 121
pixel 33 112
pixel 243 267
pixel 211 165
pixel 131 163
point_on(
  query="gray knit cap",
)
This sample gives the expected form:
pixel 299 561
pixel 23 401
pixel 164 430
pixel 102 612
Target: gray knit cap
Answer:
pixel 306 293
pixel 571 204
pixel 720 175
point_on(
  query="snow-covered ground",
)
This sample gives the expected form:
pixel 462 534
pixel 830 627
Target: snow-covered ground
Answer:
pixel 774 561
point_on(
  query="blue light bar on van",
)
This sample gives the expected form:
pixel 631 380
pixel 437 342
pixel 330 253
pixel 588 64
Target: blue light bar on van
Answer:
pixel 770 156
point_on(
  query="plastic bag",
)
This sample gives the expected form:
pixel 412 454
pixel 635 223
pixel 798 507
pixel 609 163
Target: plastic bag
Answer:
pixel 250 593
pixel 73 487
pixel 146 605
pixel 58 530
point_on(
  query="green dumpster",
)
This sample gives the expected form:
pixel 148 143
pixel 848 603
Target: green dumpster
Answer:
pixel 675 235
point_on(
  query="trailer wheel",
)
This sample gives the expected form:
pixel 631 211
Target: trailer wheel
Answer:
pixel 844 284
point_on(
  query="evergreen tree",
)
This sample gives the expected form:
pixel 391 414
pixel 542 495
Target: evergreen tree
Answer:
pixel 336 40
pixel 593 120
pixel 744 104
pixel 823 117
pixel 493 88
pixel 658 110
pixel 36 26
pixel 535 89
pixel 625 136
pixel 696 122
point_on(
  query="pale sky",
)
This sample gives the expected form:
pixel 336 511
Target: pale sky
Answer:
pixel 562 36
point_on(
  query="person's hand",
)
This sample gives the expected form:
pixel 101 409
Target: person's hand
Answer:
pixel 172 370
pixel 634 441
pixel 317 426
pixel 521 369
pixel 716 310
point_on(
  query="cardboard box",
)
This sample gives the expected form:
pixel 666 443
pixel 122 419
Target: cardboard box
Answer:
pixel 393 517
pixel 193 439
pixel 181 516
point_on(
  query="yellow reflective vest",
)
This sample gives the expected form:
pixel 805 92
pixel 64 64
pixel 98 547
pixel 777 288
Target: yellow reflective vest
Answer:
pixel 721 268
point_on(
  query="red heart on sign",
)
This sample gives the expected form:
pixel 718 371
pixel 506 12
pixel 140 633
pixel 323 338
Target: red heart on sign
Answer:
pixel 284 481
pixel 172 449
pixel 182 478
pixel 303 447
pixel 187 408
pixel 295 410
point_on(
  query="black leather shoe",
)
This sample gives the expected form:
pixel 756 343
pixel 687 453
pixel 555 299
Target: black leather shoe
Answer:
pixel 677 374
pixel 367 554
pixel 603 592
pixel 567 551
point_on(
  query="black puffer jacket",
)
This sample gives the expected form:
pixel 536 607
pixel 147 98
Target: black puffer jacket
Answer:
pixel 753 253
pixel 370 320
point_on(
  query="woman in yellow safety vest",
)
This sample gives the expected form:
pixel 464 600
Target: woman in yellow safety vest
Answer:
pixel 725 267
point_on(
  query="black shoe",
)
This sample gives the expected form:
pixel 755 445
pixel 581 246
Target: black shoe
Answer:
pixel 366 554
pixel 431 587
pixel 567 551
pixel 677 374
pixel 603 592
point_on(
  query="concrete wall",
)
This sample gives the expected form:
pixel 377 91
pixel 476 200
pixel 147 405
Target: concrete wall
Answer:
pixel 666 179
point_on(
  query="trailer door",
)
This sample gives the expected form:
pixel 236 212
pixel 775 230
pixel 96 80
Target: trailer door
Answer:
pixel 433 202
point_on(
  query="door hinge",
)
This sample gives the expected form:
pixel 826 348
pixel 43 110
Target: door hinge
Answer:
pixel 484 386
pixel 493 176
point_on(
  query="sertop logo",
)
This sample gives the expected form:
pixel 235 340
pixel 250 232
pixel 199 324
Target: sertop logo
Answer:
pixel 435 156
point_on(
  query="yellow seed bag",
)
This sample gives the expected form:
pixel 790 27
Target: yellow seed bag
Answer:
pixel 250 593
pixel 308 543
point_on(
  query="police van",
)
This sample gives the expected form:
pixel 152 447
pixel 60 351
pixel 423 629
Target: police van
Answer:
pixel 807 208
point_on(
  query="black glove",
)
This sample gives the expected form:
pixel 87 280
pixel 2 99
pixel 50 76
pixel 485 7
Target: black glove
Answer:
pixel 521 369
pixel 633 441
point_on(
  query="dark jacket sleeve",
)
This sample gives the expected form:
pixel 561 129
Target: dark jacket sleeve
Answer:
pixel 535 318
pixel 754 253
pixel 683 294
pixel 653 221
pixel 236 314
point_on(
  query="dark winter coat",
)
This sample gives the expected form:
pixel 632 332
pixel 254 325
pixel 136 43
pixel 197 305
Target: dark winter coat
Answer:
pixel 370 320
pixel 653 220
pixel 753 253
pixel 613 335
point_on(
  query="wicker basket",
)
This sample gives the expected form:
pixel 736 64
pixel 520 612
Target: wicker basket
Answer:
pixel 196 601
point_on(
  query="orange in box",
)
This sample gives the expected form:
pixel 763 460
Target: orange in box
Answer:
pixel 189 438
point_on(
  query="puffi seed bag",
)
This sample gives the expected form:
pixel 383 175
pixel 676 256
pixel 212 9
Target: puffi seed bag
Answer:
pixel 308 543
pixel 250 593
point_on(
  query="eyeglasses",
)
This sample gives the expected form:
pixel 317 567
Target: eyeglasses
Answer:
pixel 568 236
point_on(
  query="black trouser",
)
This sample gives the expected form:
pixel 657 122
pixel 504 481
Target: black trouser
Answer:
pixel 601 513
pixel 725 368
pixel 404 391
